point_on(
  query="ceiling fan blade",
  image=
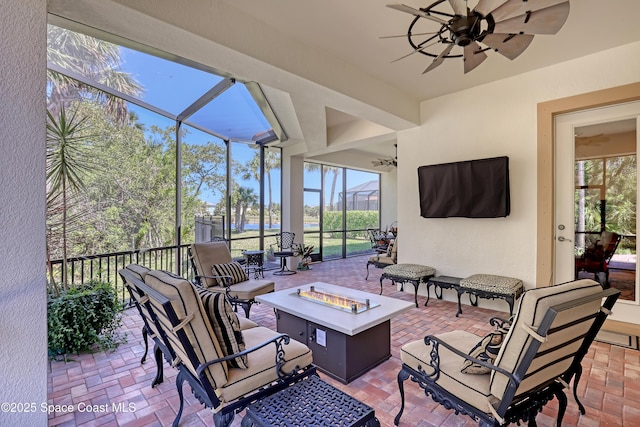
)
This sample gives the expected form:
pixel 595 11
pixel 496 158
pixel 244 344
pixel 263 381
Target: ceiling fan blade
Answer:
pixel 405 35
pixel 416 12
pixel 543 21
pixel 415 51
pixel 508 45
pixel 473 56
pixel 513 8
pixel 459 7
pixel 440 59
pixel 485 7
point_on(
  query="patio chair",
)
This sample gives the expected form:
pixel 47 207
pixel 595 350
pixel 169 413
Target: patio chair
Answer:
pixel 379 240
pixel 384 259
pixel 215 270
pixel 226 368
pixel 149 329
pixel 284 243
pixel 511 373
pixel 596 257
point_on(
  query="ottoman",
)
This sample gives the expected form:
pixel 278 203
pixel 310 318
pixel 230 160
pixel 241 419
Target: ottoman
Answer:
pixel 492 287
pixel 408 273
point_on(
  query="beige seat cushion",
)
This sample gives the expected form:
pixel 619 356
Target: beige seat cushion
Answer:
pixel 390 257
pixel 262 369
pixel 186 303
pixel 209 253
pixel 551 360
pixel 246 323
pixel 382 259
pixel 473 389
pixel 138 270
pixel 246 290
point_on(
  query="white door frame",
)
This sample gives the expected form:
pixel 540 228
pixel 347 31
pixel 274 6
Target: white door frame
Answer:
pixel 564 129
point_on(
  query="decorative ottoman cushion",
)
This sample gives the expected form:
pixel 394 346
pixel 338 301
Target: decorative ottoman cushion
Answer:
pixel 491 283
pixel 409 271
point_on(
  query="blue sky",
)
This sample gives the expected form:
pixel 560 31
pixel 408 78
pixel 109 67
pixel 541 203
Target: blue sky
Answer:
pixel 173 87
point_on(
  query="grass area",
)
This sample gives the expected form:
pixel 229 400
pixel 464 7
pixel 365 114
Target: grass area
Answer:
pixel 332 242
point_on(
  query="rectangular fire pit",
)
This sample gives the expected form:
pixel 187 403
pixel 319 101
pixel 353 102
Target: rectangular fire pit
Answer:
pixel 334 300
pixel 345 343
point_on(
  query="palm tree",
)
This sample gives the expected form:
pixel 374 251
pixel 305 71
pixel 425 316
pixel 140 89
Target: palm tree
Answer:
pixel 271 163
pixel 336 173
pixel 67 162
pixel 242 198
pixel 95 59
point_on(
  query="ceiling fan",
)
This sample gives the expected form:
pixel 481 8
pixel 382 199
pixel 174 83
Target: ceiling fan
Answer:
pixel 389 161
pixel 506 26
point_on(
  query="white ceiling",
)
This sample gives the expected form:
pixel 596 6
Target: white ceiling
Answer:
pixel 325 69
pixel 350 30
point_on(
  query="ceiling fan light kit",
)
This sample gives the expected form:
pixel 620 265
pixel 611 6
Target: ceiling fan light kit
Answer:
pixel 505 26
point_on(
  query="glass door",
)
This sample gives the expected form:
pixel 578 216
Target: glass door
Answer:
pixel 596 197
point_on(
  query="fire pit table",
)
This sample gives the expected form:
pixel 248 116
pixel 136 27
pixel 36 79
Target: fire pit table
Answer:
pixel 348 336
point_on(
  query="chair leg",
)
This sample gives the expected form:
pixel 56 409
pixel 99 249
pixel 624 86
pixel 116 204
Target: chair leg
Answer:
pixel 402 377
pixel 367 277
pixel 576 380
pixel 562 406
pixel 179 381
pixel 145 335
pixel 246 306
pixel 159 368
pixel 223 420
pixel 284 270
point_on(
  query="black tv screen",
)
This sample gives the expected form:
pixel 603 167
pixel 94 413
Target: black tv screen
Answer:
pixel 471 189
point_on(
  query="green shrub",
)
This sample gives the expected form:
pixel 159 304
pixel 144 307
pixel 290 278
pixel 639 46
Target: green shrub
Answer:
pixel 356 220
pixel 82 317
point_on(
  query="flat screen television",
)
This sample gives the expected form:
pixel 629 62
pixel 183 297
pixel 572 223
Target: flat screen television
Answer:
pixel 472 189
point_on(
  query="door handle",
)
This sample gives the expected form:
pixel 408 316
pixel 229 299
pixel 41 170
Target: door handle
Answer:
pixel 563 239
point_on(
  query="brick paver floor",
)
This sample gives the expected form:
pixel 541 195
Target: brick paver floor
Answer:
pixel 114 388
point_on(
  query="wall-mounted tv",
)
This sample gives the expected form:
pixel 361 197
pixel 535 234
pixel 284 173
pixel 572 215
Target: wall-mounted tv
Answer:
pixel 472 189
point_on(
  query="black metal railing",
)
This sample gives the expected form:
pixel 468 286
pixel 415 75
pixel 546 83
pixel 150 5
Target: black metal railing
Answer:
pixel 104 267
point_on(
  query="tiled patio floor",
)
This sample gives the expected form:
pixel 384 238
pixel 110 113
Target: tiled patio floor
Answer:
pixel 610 386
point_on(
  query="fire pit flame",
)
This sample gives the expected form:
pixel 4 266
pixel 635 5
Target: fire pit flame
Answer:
pixel 341 302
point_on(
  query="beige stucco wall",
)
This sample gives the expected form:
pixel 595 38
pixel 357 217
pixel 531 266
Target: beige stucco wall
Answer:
pixel 494 120
pixel 23 334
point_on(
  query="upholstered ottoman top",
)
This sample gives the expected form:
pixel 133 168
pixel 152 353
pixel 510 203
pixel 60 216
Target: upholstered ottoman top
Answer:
pixel 491 283
pixel 409 271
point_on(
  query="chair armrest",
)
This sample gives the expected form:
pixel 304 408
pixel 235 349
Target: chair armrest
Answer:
pixel 279 340
pixel 500 322
pixel 435 360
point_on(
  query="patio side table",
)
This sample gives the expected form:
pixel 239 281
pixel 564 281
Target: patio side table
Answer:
pixel 310 402
pixel 254 263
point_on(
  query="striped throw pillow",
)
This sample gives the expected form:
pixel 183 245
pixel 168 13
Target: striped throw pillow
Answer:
pixel 226 325
pixel 232 269
pixel 486 350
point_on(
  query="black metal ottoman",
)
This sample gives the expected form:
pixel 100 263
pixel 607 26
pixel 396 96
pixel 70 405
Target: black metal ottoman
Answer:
pixel 310 402
pixel 408 273
pixel 490 286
